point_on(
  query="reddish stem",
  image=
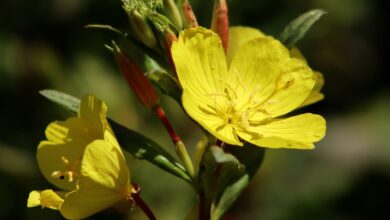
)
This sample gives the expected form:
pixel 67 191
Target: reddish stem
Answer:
pixel 204 207
pixel 219 143
pixel 145 208
pixel 159 111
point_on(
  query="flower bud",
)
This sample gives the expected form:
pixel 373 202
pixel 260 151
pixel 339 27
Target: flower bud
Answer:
pixel 220 21
pixel 170 37
pixel 173 13
pixel 138 82
pixel 142 29
pixel 189 16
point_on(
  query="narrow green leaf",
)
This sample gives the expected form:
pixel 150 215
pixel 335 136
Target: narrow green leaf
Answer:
pixel 297 29
pixel 229 196
pixel 66 101
pixel 106 27
pixel 136 144
pixel 142 148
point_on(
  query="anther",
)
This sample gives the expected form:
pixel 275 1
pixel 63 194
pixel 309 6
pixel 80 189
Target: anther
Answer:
pixel 64 160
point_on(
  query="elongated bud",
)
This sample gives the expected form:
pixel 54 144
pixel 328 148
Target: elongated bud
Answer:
pixel 199 151
pixel 189 15
pixel 138 82
pixel 173 13
pixel 142 29
pixel 220 21
pixel 170 37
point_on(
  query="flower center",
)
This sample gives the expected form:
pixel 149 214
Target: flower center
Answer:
pixel 237 110
pixel 70 171
pixel 241 107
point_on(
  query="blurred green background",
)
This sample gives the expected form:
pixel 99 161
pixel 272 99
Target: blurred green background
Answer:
pixel 43 45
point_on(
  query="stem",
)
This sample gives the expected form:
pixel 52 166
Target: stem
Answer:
pixel 219 143
pixel 145 208
pixel 204 207
pixel 159 111
pixel 180 148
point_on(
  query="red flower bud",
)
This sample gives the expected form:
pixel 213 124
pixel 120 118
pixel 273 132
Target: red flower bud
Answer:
pixel 136 79
pixel 170 37
pixel 189 15
pixel 220 21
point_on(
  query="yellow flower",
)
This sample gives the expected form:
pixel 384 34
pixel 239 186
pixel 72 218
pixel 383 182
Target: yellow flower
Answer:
pixel 82 157
pixel 241 96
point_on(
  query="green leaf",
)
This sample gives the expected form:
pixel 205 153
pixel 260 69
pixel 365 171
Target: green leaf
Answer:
pixel 229 196
pixel 297 29
pixel 143 148
pixel 250 157
pixel 66 101
pixel 218 171
pixel 106 27
pixel 136 144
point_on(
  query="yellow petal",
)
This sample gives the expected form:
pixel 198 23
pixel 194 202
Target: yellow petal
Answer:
pixel 46 199
pixel 94 112
pixel 71 130
pixel 65 140
pixel 50 160
pixel 201 67
pixel 293 86
pixel 34 199
pixel 315 94
pixel 256 67
pixel 296 53
pixel 88 200
pixel 200 62
pixel 207 116
pixel 298 132
pixel 238 36
pixel 103 162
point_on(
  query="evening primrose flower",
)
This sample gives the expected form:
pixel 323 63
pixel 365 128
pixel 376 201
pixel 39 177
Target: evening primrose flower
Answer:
pixel 82 157
pixel 242 96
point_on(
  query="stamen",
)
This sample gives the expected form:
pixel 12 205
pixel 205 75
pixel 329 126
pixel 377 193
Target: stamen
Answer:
pixel 237 111
pixel 70 176
pixel 57 175
pixel 244 120
pixel 69 172
pixel 62 174
pixel 64 160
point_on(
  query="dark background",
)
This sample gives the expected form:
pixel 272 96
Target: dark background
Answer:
pixel 43 45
